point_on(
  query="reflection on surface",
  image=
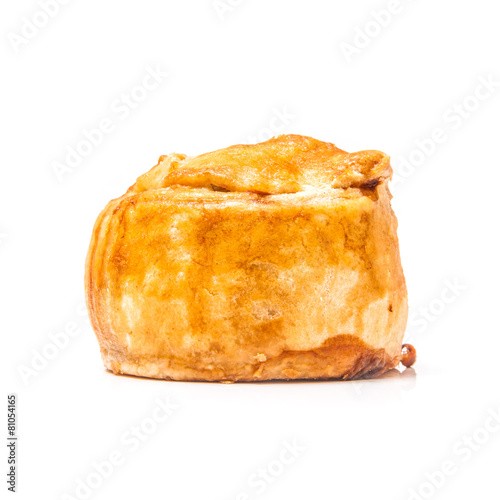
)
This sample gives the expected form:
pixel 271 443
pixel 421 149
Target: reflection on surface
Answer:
pixel 389 383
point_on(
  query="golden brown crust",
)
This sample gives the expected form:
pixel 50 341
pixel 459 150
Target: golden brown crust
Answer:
pixel 285 164
pixel 343 356
pixel 288 269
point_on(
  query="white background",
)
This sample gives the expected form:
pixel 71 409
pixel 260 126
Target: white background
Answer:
pixel 230 72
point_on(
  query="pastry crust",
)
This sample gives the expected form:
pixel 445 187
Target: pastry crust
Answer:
pixel 278 260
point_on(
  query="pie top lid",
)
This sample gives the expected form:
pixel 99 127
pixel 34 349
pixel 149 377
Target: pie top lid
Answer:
pixel 284 164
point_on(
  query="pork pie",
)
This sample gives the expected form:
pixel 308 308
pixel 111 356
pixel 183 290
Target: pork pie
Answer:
pixel 278 260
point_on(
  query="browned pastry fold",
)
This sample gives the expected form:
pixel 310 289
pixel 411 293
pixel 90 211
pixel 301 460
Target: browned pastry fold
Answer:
pixel 278 260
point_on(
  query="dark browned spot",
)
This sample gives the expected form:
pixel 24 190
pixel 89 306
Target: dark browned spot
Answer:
pixel 218 188
pixel 390 308
pixel 370 184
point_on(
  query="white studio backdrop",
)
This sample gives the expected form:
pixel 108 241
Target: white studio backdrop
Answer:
pixel 93 92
